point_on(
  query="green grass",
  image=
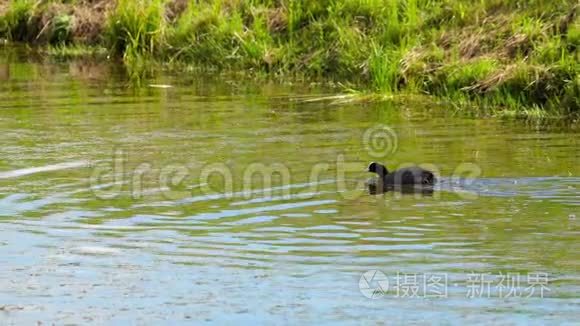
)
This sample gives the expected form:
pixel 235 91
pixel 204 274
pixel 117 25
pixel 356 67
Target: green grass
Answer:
pixel 136 28
pixel 511 57
pixel 14 24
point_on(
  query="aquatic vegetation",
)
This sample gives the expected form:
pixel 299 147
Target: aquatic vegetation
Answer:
pixel 61 51
pixel 488 53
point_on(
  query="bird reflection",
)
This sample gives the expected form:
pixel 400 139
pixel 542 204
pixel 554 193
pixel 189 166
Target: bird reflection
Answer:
pixel 424 190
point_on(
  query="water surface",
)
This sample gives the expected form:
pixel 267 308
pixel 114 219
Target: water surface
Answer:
pixel 123 202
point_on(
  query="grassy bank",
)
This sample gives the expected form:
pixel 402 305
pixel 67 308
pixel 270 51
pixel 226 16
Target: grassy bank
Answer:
pixel 518 57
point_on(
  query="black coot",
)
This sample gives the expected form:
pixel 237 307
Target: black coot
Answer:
pixel 403 178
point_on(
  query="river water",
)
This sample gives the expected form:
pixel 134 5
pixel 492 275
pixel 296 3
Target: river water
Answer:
pixel 198 197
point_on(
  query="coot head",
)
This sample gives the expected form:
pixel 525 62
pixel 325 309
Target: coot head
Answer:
pixel 378 169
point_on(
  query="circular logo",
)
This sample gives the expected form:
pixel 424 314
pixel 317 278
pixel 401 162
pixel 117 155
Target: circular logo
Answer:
pixel 380 141
pixel 373 284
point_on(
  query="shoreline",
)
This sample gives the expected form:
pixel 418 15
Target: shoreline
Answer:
pixel 490 55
